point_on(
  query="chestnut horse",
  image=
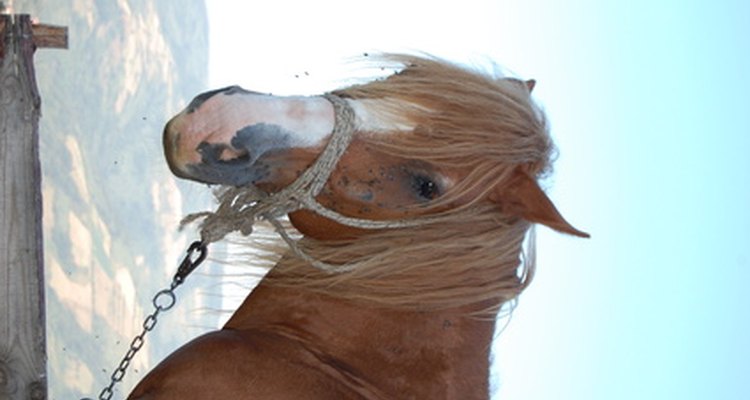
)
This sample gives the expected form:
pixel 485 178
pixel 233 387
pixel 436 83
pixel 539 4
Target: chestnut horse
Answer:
pixel 411 312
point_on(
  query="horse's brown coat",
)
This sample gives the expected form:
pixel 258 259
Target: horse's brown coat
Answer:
pixel 285 344
pixel 303 334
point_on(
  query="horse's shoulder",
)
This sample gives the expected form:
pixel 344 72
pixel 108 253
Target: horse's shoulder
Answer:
pixel 237 364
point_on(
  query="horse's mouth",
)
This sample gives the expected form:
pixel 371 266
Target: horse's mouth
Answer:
pixel 234 173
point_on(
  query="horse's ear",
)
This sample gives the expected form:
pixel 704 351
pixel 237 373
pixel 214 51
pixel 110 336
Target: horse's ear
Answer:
pixel 523 197
pixel 530 84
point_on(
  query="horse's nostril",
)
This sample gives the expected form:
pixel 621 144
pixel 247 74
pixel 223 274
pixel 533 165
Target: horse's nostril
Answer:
pixel 220 153
pixel 234 155
pixel 237 158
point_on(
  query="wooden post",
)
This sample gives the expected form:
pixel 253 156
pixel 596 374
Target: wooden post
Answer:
pixel 23 357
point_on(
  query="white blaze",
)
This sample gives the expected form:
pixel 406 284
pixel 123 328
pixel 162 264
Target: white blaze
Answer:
pixel 376 115
pixel 308 119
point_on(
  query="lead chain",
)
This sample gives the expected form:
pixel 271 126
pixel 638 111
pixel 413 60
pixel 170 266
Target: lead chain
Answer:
pixel 163 301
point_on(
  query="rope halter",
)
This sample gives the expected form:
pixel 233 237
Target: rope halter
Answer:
pixel 240 207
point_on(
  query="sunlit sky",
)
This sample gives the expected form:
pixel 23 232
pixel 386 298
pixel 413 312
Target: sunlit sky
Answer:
pixel 648 105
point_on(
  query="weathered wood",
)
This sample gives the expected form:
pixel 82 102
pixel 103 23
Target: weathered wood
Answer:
pixel 42 35
pixel 50 36
pixel 22 322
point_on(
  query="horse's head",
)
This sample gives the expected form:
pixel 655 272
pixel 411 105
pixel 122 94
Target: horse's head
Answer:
pixel 430 138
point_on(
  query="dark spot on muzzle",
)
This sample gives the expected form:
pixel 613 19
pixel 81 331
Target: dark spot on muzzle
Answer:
pixel 251 143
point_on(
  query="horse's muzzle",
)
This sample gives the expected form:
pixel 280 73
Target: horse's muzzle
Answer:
pixel 224 136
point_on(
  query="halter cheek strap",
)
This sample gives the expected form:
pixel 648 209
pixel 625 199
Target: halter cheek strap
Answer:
pixel 240 207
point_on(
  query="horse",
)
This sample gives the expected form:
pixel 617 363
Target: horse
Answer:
pixel 418 235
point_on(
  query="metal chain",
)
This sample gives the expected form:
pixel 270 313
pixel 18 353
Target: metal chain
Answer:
pixel 163 301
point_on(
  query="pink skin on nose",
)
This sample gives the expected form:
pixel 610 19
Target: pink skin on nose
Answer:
pixel 233 124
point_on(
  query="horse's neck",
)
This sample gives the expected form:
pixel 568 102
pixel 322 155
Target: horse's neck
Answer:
pixel 449 347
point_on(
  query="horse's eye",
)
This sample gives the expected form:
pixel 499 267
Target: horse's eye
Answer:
pixel 425 187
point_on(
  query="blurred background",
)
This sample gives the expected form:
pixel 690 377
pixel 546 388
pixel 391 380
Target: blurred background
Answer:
pixel 647 103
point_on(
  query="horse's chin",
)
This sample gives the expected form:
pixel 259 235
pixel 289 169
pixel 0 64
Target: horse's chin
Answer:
pixel 320 228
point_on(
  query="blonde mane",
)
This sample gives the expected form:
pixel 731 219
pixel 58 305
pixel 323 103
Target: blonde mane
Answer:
pixel 486 125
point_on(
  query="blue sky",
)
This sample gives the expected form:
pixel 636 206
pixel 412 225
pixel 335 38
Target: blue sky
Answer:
pixel 648 105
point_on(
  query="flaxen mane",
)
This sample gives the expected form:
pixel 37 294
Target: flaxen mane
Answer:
pixel 463 119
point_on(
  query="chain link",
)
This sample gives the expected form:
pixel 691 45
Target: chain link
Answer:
pixel 164 300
